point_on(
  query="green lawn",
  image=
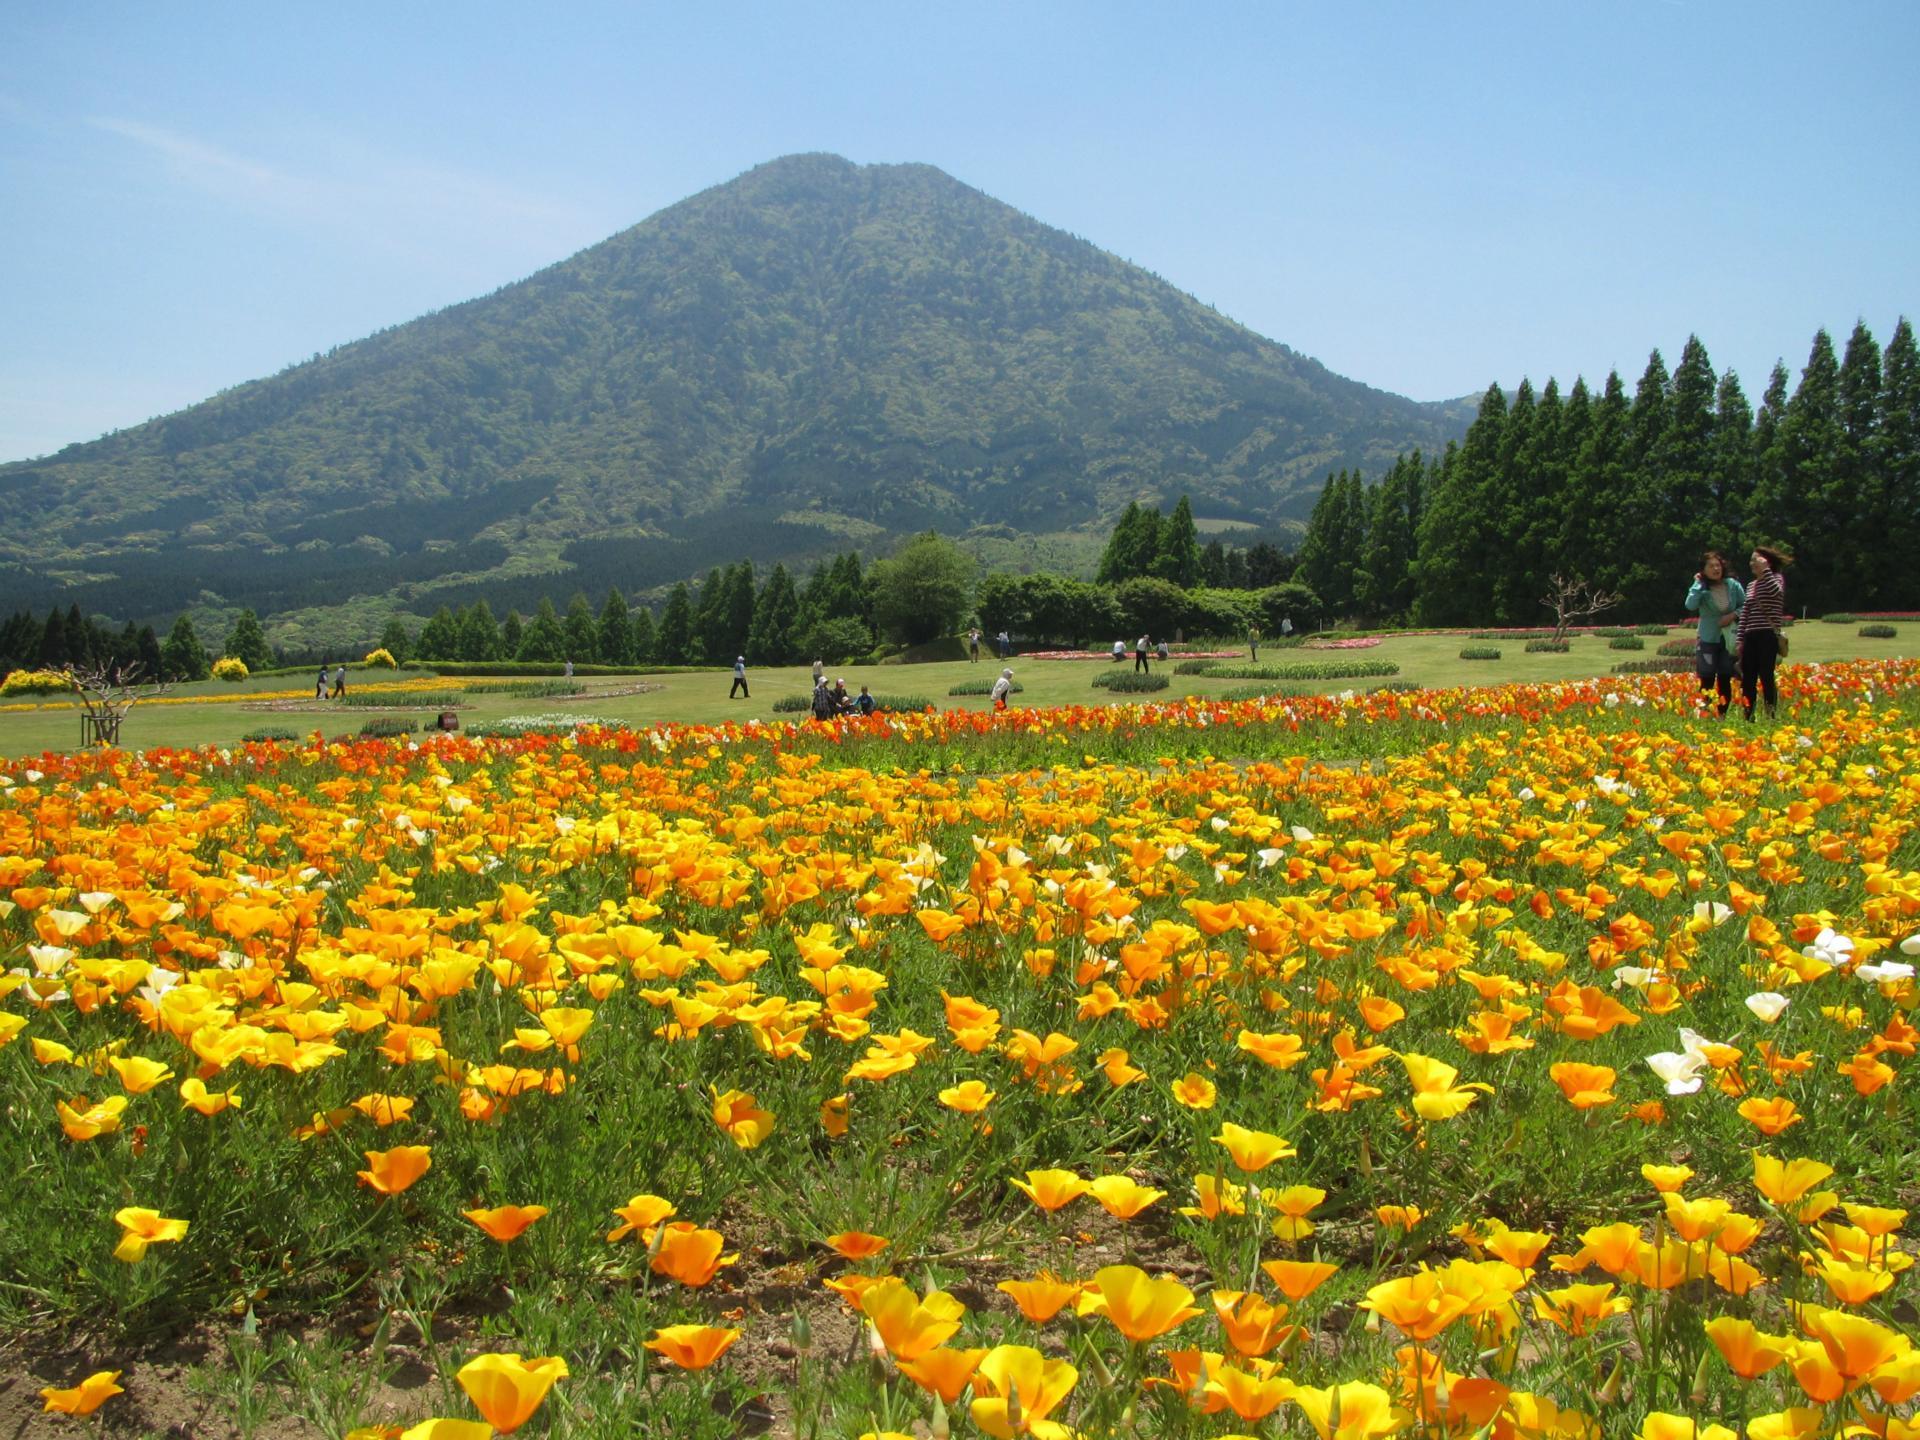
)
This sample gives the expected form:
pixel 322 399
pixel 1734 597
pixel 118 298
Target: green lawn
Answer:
pixel 1428 660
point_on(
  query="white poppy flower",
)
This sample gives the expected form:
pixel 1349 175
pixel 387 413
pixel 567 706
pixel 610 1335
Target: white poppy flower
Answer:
pixel 1268 857
pixel 1680 1073
pixel 1302 834
pixel 1829 947
pixel 1910 945
pixel 1713 912
pixel 1885 972
pixel 1767 1005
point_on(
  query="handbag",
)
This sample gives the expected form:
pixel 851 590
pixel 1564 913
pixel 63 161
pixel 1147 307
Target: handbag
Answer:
pixel 1783 643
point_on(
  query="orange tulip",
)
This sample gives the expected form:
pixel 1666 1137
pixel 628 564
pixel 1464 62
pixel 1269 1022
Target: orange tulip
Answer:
pixel 506 1223
pixel 692 1347
pixel 391 1171
pixel 506 1389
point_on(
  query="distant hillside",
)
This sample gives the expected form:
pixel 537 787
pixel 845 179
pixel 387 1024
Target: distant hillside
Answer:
pixel 813 354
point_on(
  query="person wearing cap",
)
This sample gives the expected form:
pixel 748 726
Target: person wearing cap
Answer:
pixel 739 686
pixel 822 700
pixel 842 702
pixel 1002 688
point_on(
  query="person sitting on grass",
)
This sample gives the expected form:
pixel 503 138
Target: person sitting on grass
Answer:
pixel 842 702
pixel 864 702
pixel 1119 652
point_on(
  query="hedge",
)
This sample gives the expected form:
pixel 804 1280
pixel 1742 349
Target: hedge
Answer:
pixel 803 704
pixel 269 732
pixel 1549 646
pixel 1479 652
pixel 1322 670
pixel 1628 642
pixel 1678 647
pixel 388 725
pixel 980 687
pixel 554 667
pixel 1510 635
pixel 1650 629
pixel 1878 632
pixel 1653 667
pixel 1131 682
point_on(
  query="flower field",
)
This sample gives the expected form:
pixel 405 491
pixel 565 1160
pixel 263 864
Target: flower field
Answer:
pixel 1548 1074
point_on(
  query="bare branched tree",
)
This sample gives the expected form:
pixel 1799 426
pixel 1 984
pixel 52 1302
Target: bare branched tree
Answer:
pixel 106 693
pixel 1572 598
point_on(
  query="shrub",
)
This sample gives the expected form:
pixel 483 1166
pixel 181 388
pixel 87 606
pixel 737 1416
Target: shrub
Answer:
pixel 1257 691
pixel 381 659
pixel 528 724
pixel 533 689
pixel 1678 647
pixel 897 704
pixel 34 682
pixel 453 669
pixel 980 687
pixel 1628 642
pixel 1665 666
pixel 838 640
pixel 1510 635
pixel 388 725
pixel 230 667
pixel 1479 652
pixel 403 699
pixel 267 733
pixel 1649 629
pixel 1878 632
pixel 1612 632
pixel 1549 645
pixel 1304 670
pixel 1839 617
pixel 1130 682
pixel 1396 687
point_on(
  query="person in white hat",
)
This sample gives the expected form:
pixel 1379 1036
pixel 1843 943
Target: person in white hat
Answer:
pixel 1002 688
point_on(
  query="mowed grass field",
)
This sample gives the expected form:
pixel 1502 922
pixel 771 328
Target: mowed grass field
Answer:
pixel 1431 661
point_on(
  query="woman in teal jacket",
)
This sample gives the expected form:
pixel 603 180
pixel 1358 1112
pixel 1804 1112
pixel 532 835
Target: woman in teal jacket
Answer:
pixel 1717 597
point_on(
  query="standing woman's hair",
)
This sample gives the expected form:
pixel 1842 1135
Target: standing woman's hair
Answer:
pixel 1777 560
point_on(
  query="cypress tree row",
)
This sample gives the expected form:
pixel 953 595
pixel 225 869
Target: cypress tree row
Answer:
pixel 1626 493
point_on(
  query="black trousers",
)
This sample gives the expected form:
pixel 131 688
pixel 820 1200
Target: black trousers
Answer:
pixel 1759 657
pixel 739 687
pixel 1140 662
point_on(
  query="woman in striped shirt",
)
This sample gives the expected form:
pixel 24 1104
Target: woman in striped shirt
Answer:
pixel 1761 620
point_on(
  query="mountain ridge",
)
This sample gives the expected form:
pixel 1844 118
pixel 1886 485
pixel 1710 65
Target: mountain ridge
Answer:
pixel 813 346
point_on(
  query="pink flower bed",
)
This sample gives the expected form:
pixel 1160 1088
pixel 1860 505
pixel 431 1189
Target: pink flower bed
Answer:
pixel 1108 655
pixel 1359 642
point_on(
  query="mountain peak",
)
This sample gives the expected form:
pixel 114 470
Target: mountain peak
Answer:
pixel 812 354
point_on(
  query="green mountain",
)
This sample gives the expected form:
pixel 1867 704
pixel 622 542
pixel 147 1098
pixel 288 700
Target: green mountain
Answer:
pixel 814 354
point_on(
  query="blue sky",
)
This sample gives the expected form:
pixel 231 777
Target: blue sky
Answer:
pixel 1428 197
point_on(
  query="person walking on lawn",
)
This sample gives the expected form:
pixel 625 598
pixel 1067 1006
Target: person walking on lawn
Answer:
pixel 340 682
pixel 739 686
pixel 1140 648
pixel 1002 688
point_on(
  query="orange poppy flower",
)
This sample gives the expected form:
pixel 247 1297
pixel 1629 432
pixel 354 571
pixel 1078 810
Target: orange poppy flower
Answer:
pixel 391 1171
pixel 692 1347
pixel 506 1223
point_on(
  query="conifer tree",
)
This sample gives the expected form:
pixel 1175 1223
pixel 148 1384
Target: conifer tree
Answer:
pixel 614 640
pixel 674 643
pixel 440 636
pixel 1540 475
pixel 1597 526
pixel 776 616
pixel 1321 565
pixel 1383 583
pixel 395 640
pixel 148 654
pixel 709 612
pixel 1811 441
pixel 643 635
pixel 1178 557
pixel 54 651
pixel 1898 543
pixel 513 635
pixel 582 643
pixel 1731 470
pixel 1455 568
pixel 479 632
pixel 544 638
pixel 1860 478
pixel 247 642
pixel 1505 507
pixel 738 614
pixel 183 657
pixel 1213 564
pixel 1681 482
pixel 1767 511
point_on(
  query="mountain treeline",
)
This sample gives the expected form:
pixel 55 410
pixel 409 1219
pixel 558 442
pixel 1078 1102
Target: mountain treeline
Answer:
pixel 1628 491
